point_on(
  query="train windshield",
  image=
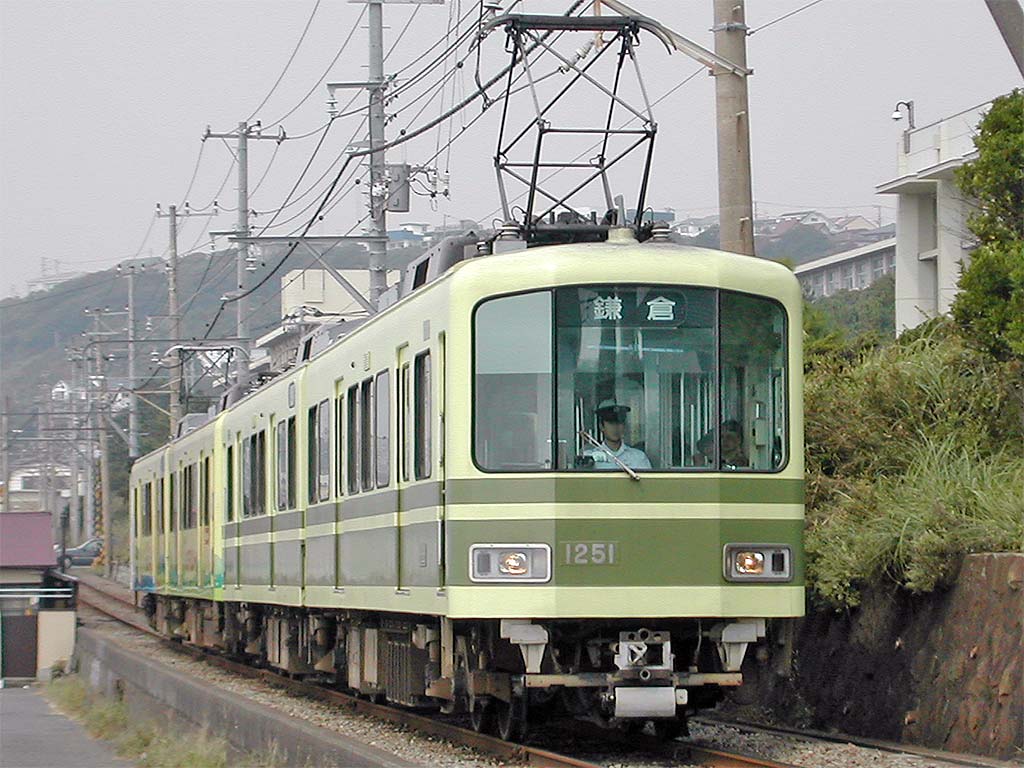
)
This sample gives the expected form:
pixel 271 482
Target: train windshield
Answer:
pixel 656 378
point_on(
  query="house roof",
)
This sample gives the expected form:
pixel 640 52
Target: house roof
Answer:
pixel 26 540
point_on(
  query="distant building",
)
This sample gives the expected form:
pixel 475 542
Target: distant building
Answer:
pixel 693 226
pixel 851 270
pixel 853 224
pixel 932 239
pixel 807 219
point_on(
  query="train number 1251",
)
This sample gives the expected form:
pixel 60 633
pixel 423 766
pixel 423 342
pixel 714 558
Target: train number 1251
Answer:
pixel 590 552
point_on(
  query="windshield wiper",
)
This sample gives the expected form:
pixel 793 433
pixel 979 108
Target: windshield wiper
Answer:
pixel 622 465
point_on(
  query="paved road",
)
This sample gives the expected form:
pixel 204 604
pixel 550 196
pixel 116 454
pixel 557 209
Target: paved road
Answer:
pixel 33 735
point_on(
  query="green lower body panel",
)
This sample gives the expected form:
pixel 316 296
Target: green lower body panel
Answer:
pixel 544 602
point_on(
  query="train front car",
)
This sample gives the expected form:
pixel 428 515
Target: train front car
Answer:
pixel 624 476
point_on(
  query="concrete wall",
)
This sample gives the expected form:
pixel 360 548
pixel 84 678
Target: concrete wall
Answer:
pixel 56 643
pixel 944 670
pixel 153 690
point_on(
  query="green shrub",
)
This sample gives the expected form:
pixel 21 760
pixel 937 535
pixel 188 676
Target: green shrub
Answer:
pixel 915 457
pixel 913 529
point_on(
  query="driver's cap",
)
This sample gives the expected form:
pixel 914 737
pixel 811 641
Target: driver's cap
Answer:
pixel 609 410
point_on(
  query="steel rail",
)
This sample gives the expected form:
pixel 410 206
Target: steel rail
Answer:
pixel 956 758
pixel 680 750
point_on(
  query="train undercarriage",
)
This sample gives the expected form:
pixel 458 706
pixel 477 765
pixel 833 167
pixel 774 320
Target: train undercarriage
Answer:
pixel 503 673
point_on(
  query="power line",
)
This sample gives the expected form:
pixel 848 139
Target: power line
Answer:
pixel 327 71
pixel 784 16
pixel 288 63
pixel 52 295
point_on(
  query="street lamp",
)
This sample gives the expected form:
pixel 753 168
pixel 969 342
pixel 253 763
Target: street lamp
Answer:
pixel 897 115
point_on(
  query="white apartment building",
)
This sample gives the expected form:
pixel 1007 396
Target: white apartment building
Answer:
pixel 850 270
pixel 932 240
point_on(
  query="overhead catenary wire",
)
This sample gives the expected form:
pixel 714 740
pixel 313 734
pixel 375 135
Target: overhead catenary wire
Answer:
pixel 291 58
pixel 326 72
pixel 784 17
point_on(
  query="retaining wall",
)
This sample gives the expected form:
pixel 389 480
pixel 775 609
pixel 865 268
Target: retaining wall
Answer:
pixel 153 690
pixel 944 670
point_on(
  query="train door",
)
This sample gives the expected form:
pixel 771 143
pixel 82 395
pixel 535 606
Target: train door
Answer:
pixel 403 412
pixel 442 404
pixel 173 518
pixel 160 532
pixel 205 517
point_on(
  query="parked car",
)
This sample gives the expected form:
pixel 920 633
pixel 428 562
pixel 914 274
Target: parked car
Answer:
pixel 83 554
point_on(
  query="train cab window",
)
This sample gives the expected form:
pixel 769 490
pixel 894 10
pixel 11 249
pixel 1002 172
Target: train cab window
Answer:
pixel 229 490
pixel 366 434
pixel 752 408
pixel 512 405
pixel 421 416
pixel 645 378
pixel 324 449
pixel 352 447
pixel 382 427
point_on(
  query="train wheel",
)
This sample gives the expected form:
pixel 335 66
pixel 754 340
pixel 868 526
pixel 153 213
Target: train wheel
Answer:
pixel 511 717
pixel 481 714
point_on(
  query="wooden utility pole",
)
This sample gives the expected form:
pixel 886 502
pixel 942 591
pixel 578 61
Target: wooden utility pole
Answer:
pixel 735 197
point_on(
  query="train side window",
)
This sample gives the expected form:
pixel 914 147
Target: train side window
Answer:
pixel 353 439
pixel 260 472
pixel 292 463
pixel 422 419
pixel 160 505
pixel 312 454
pixel 229 492
pixel 172 502
pixel 366 433
pixel 190 497
pixel 207 509
pixel 147 509
pixel 324 449
pixel 404 412
pixel 382 428
pixel 281 440
pixel 247 477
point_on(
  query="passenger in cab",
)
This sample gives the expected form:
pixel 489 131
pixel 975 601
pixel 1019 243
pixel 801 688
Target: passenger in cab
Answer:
pixel 612 418
pixel 733 454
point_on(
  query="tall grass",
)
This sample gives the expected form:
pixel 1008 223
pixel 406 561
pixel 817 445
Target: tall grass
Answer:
pixel 148 744
pixel 915 457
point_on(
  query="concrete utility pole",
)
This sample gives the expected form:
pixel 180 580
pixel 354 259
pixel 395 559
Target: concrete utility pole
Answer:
pixel 101 415
pixel 1009 18
pixel 735 198
pixel 133 400
pixel 173 312
pixel 243 262
pixel 378 169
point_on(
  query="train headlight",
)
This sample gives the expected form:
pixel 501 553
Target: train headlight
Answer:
pixel 758 562
pixel 510 562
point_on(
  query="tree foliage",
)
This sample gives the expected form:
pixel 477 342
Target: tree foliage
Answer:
pixel 990 305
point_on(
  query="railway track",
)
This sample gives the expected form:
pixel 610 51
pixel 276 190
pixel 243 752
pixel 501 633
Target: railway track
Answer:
pixel 114 603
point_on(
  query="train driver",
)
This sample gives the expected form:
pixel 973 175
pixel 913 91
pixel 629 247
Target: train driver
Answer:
pixel 612 418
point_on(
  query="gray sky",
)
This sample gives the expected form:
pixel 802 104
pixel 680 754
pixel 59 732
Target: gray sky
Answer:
pixel 102 104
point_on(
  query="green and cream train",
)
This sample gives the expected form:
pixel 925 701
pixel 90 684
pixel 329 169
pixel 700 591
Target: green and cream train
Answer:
pixel 566 478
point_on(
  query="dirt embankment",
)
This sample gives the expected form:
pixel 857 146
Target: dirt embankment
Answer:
pixel 944 670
